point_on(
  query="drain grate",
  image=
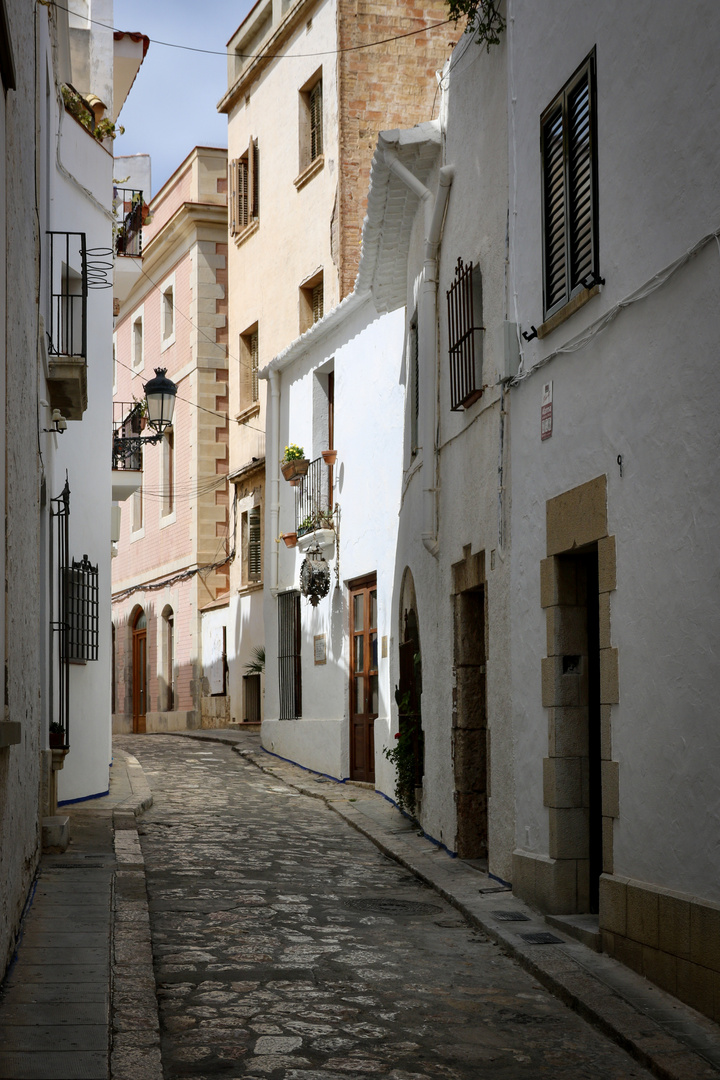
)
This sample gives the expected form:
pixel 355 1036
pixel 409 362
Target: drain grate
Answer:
pixel 510 916
pixel 381 905
pixel 542 938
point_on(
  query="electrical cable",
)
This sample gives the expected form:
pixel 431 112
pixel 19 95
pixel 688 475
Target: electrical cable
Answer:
pixel 268 56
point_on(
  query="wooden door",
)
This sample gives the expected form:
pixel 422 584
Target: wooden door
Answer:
pixel 363 678
pixel 139 673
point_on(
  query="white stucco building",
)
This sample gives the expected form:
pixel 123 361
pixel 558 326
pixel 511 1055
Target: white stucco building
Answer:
pixel 328 690
pixel 614 432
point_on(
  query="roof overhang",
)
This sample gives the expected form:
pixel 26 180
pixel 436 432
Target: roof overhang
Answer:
pixel 128 54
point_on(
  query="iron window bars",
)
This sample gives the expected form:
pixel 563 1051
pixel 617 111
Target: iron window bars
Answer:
pixel 79 640
pixel 128 206
pixel 464 300
pixel 289 666
pixel 568 147
pixel 313 497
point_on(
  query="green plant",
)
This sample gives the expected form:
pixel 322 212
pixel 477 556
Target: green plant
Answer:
pixel 293 452
pixel 403 755
pixel 319 519
pixel 256 666
pixel 56 728
pixel 79 108
pixel 483 19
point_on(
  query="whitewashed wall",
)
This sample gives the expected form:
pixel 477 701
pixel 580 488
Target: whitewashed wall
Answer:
pixel 367 352
pixel 645 389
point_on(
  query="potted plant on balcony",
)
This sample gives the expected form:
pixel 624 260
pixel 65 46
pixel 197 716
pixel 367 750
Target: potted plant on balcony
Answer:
pixel 290 539
pixel 56 736
pixel 294 464
pixel 329 456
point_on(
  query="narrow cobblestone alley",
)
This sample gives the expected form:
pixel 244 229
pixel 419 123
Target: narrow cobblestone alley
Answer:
pixel 287 947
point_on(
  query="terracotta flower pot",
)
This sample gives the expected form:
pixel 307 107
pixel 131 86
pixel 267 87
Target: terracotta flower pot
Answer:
pixel 290 539
pixel 329 456
pixel 294 470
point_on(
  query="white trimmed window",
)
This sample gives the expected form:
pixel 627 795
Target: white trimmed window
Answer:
pixel 137 340
pixel 244 189
pixel 167 313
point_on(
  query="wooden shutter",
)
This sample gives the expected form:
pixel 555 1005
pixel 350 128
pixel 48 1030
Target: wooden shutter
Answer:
pixel 233 196
pixel 289 671
pixel 254 363
pixel 580 181
pixel 254 545
pixel 243 192
pixel 316 121
pixel 569 197
pixel 555 258
pixel 317 302
pixel 254 179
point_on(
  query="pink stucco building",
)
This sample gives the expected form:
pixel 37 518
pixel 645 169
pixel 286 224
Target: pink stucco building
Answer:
pixel 176 534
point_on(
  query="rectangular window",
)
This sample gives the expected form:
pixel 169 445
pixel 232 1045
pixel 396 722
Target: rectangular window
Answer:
pixel 168 315
pixel 244 189
pixel 568 144
pixel 414 386
pixel 312 301
pixel 250 363
pixel 168 473
pixel 137 510
pixel 465 336
pixel 310 127
pixel 289 667
pixel 80 611
pixel 136 345
pixel 252 545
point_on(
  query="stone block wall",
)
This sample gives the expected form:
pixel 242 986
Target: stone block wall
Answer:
pixel 391 85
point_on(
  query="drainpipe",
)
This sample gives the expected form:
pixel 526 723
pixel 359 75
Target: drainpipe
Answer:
pixel 427 337
pixel 273 454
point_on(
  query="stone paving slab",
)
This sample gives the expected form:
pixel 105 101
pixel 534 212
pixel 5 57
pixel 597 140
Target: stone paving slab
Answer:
pixel 56 1012
pixel 85 1065
pixel 46 1038
pixel 669 1038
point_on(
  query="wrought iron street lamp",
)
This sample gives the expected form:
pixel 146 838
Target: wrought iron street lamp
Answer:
pixel 160 395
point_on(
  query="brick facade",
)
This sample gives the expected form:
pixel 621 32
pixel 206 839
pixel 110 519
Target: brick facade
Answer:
pixel 382 87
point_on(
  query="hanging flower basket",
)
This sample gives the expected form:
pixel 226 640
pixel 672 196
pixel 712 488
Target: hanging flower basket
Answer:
pixel 329 456
pixel 295 470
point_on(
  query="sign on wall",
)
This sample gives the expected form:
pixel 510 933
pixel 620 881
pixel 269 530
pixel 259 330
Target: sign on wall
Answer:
pixel 546 411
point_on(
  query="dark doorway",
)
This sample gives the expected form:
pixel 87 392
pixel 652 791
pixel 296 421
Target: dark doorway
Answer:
pixel 470 725
pixel 363 678
pixel 139 672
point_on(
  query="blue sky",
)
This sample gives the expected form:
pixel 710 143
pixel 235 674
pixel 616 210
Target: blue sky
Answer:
pixel 172 105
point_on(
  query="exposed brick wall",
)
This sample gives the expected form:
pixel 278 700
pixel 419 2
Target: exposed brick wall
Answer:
pixel 380 88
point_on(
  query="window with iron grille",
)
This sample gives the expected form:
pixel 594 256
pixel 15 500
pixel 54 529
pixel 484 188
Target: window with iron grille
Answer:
pixel 244 189
pixel 289 670
pixel 568 144
pixel 465 336
pixel 80 611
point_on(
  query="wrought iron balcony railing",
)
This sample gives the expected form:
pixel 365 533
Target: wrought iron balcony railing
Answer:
pixel 128 420
pixel 313 498
pixel 128 205
pixel 68 278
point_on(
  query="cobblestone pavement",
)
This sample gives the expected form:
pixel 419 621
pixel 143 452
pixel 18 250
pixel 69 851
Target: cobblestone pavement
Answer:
pixel 287 947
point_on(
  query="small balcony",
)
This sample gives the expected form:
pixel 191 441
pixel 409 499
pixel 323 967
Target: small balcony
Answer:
pixel 128 420
pixel 313 499
pixel 67 326
pixel 130 211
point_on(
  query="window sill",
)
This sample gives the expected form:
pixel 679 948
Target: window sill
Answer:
pixel 165 343
pixel 251 587
pixel 168 519
pixel 578 301
pixel 137 534
pixel 247 413
pixel 309 171
pixel 247 232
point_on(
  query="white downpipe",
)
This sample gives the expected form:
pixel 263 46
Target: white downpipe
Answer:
pixel 427 337
pixel 273 450
pixel 428 357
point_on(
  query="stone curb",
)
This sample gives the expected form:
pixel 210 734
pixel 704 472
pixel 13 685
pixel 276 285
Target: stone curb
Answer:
pixel 135 1042
pixel 625 1007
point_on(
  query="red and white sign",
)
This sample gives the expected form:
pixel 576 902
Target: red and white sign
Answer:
pixel 546 412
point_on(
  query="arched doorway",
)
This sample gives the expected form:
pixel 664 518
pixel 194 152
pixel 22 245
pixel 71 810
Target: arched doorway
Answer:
pixel 409 691
pixel 139 671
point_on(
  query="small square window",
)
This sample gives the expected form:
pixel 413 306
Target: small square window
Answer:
pixel 312 301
